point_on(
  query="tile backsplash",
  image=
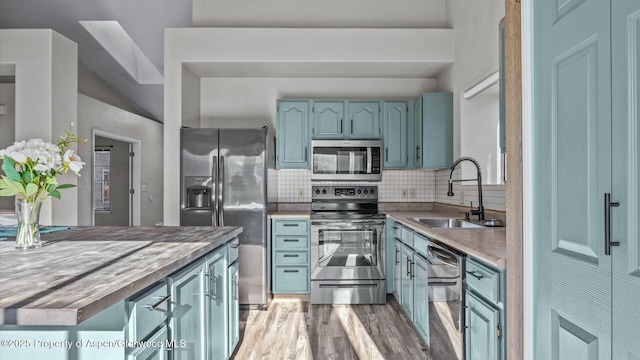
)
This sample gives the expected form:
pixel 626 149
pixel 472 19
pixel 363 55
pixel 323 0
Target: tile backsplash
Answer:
pixel 396 186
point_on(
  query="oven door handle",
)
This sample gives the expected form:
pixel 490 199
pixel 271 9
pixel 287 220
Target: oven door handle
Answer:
pixel 334 223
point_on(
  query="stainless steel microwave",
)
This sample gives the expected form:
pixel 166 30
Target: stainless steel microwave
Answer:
pixel 346 160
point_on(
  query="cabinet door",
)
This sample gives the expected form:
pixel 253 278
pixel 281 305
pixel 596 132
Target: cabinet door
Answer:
pixel 395 134
pixel 218 304
pixel 293 135
pixel 188 312
pixel 625 28
pixel 234 308
pixel 328 120
pixel 158 352
pixel 481 336
pixel 437 130
pixel 416 153
pixel 421 296
pixel 407 280
pixel 397 270
pixel 364 120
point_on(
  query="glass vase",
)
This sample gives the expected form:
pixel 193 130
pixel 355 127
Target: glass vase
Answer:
pixel 28 214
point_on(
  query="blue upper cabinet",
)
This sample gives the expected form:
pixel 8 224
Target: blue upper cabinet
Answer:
pixel 415 128
pixel 395 134
pixel 364 120
pixel 328 120
pixel 293 134
pixel 437 130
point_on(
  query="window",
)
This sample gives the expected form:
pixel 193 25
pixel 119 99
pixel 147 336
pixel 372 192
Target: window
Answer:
pixel 101 178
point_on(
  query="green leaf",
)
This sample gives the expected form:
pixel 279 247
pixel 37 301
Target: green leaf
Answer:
pixel 8 192
pixel 16 185
pixel 51 180
pixel 31 189
pixel 65 186
pixel 55 194
pixel 27 177
pixel 9 168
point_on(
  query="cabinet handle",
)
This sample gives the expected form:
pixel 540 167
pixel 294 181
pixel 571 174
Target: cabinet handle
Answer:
pixel 607 224
pixel 290 240
pixel 291 255
pixel 235 246
pixel 305 153
pixel 418 152
pixel 397 252
pixel 352 126
pixel 292 271
pixel 413 264
pixel 290 225
pixel 236 287
pixel 340 126
pixel 477 276
pixel 155 306
pixel 386 154
pixel 394 227
pixel 408 266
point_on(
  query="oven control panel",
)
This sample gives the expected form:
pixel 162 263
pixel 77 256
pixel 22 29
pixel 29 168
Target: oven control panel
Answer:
pixel 344 192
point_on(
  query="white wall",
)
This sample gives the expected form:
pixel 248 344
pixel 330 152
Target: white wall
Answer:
pixel 46 70
pixel 279 45
pixel 94 114
pixel 7 131
pixel 92 86
pixel 480 136
pixel 236 101
pixel 475 24
pixel 326 13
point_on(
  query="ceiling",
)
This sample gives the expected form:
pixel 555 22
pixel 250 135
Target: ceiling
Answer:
pixel 143 20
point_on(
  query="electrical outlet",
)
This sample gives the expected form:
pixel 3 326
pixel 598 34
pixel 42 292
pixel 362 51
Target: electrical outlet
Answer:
pixel 403 193
pixel 300 192
pixel 412 193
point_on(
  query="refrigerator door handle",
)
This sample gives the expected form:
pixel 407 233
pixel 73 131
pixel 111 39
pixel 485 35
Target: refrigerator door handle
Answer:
pixel 221 187
pixel 214 193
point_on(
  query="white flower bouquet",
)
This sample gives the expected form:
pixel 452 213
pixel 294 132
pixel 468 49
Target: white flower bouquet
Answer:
pixel 30 167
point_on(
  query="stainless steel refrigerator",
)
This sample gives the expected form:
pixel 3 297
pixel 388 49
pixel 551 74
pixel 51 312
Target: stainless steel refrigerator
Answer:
pixel 223 182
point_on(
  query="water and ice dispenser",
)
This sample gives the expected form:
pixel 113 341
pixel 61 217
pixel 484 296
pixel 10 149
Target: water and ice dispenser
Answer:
pixel 198 192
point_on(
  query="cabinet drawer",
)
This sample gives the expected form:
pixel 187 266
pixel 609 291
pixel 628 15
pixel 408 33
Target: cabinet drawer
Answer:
pixel 291 279
pixel 483 280
pixel 291 227
pixel 159 339
pixel 292 243
pixel 233 250
pixel 420 243
pixel 147 311
pixel 291 258
pixel 407 236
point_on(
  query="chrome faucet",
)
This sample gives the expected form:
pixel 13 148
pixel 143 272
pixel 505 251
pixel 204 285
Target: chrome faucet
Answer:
pixel 480 210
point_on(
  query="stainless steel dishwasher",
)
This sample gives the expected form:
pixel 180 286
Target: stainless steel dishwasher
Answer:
pixel 446 301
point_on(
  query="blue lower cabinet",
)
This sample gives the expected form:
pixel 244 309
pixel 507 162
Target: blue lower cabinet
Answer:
pixel 218 319
pixel 407 281
pixel 482 333
pixel 421 296
pixel 234 307
pixel 397 270
pixel 290 256
pixel 160 352
pixel 291 280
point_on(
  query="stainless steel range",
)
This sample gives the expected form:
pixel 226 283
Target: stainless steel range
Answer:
pixel 347 246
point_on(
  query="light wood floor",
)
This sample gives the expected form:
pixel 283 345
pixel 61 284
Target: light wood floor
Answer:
pixel 294 329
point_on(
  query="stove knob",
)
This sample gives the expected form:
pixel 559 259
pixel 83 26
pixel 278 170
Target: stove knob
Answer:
pixel 359 192
pixel 324 191
pixel 366 191
pixel 372 191
pixel 317 191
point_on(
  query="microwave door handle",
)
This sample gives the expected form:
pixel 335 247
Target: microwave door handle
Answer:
pixel 368 160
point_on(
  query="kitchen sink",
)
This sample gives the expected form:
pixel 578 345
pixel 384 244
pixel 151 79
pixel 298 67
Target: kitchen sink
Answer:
pixel 447 223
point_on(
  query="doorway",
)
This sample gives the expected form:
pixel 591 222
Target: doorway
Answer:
pixel 116 180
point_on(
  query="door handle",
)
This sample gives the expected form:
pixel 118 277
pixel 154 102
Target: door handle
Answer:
pixel 214 194
pixel 607 223
pixel 477 276
pixel 220 184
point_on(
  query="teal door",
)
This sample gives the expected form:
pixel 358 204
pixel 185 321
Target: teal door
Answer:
pixel 572 163
pixel 407 281
pixel 395 134
pixel 293 135
pixel 328 120
pixel 421 296
pixel 364 120
pixel 234 307
pixel 437 130
pixel 416 154
pixel 188 312
pixel 625 28
pixel 218 302
pixel 397 270
pixel 481 341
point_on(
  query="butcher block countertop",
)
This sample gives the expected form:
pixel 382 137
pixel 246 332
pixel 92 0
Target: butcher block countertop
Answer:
pixel 78 273
pixel 487 244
